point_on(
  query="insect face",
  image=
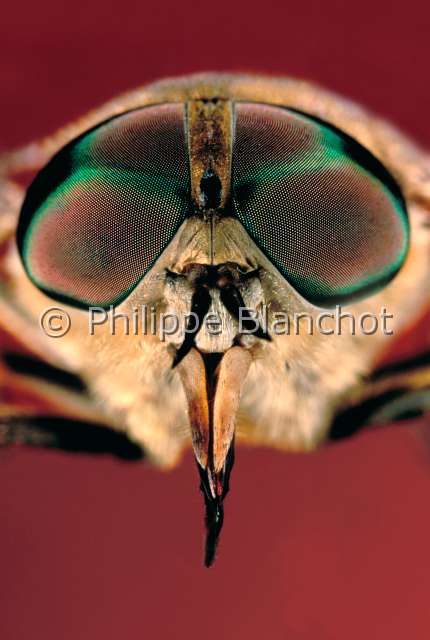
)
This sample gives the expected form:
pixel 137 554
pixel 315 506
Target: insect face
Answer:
pixel 231 197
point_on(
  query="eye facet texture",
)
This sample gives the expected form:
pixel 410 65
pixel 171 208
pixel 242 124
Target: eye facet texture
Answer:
pixel 106 206
pixel 324 211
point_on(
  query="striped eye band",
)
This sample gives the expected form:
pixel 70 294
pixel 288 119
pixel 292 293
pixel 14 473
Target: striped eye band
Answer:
pixel 103 210
pixel 324 210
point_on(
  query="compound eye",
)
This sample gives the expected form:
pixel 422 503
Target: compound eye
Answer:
pixel 323 209
pixel 102 211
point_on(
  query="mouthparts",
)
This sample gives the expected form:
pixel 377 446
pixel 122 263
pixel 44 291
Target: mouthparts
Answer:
pixel 213 384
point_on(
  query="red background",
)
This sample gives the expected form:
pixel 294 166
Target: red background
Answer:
pixel 326 546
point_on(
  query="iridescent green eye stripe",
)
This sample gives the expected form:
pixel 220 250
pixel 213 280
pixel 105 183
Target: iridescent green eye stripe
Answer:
pixel 322 209
pixel 103 210
pixel 331 154
pixel 87 178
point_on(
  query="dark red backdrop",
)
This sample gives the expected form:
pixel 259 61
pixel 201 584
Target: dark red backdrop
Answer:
pixel 323 547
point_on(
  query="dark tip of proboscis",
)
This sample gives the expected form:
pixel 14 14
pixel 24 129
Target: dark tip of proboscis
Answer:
pixel 214 516
pixel 214 521
pixel 214 509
